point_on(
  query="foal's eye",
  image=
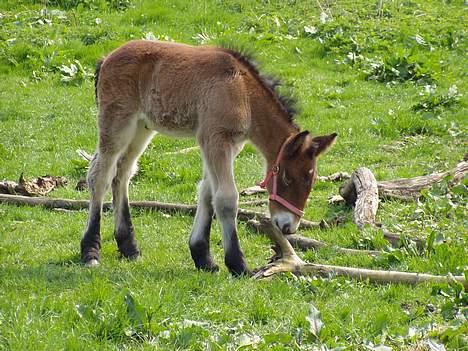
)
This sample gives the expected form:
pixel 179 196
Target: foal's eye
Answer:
pixel 287 181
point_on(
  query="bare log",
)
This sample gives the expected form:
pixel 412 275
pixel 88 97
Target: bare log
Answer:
pixel 39 186
pixel 304 243
pixel 376 276
pixel 286 260
pixel 410 188
pixel 367 201
pixel 259 202
pixel 183 151
pixel 68 204
pixel 253 190
pixel 406 188
pixel 84 155
pixel 289 262
pixel 361 192
pixel 335 177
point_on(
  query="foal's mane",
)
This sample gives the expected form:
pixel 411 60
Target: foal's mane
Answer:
pixel 271 83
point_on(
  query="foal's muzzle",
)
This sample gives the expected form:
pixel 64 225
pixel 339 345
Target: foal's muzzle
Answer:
pixel 286 222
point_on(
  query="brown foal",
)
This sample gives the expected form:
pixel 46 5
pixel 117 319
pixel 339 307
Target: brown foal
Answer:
pixel 219 97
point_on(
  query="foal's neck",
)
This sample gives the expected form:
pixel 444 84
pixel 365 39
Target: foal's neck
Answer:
pixel 270 129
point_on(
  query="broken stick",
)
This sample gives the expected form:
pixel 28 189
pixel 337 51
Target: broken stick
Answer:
pixel 39 186
pixel 304 243
pixel 410 188
pixel 286 260
pixel 374 276
pixel 361 192
pixel 243 214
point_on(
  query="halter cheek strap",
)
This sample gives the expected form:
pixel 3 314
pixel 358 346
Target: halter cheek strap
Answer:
pixel 273 174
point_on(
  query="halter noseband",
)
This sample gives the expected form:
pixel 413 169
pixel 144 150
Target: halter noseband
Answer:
pixel 273 172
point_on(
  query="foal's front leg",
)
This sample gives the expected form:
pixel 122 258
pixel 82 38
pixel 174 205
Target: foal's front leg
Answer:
pixel 200 237
pixel 219 160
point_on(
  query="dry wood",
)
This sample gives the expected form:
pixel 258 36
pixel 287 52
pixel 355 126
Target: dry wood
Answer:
pixel 259 202
pixel 84 155
pixel 183 151
pixel 367 199
pixel 252 190
pixel 361 191
pixel 68 204
pixel 375 276
pixel 304 243
pixel 410 188
pixel 335 177
pixel 286 260
pixel 407 188
pixel 39 186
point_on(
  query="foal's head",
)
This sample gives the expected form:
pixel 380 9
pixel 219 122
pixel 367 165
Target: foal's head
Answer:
pixel 295 177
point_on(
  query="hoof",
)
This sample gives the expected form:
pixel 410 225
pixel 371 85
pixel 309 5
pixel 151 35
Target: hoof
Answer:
pixel 210 267
pixel 205 263
pixel 240 270
pixel 129 249
pixel 244 273
pixel 131 257
pixel 91 263
pixel 236 265
pixel 90 257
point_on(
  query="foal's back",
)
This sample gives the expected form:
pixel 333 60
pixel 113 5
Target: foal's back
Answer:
pixel 175 88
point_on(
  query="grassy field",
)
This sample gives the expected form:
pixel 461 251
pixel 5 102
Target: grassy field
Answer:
pixel 390 77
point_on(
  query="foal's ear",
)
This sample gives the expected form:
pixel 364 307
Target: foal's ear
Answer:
pixel 296 143
pixel 320 144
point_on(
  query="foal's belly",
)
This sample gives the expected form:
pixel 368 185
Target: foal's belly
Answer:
pixel 170 111
pixel 173 124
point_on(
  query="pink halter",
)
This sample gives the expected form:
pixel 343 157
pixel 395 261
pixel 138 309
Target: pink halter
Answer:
pixel 273 172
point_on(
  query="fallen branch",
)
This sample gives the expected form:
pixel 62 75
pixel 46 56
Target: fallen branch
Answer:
pixel 183 151
pixel 39 186
pixel 252 190
pixel 335 177
pixel 68 204
pixel 304 243
pixel 367 199
pixel 407 189
pixel 84 155
pixel 410 188
pixel 286 260
pixel 259 202
pixel 291 262
pixel 375 276
pixel 361 192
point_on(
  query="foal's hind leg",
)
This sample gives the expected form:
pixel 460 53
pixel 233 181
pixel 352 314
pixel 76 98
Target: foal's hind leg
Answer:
pixel 100 173
pixel 126 167
pixel 113 140
pixel 200 237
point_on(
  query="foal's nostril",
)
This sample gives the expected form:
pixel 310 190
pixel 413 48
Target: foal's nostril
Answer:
pixel 286 229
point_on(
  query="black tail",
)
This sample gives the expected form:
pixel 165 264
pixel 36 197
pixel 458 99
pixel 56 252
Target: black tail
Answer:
pixel 96 78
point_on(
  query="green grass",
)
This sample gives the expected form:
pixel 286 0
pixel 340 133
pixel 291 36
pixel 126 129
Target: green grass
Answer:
pixel 363 74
